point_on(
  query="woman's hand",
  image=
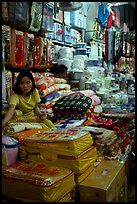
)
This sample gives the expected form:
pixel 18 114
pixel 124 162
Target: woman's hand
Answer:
pixel 39 113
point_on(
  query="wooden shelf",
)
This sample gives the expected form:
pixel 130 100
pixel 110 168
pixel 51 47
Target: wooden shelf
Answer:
pixel 18 69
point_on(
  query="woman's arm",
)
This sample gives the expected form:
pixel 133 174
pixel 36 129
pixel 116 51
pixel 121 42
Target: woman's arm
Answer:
pixel 39 113
pixel 8 115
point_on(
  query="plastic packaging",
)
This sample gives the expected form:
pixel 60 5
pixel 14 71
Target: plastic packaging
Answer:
pixel 9 150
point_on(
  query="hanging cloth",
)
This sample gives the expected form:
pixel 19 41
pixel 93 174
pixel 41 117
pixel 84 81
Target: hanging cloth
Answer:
pixel 103 14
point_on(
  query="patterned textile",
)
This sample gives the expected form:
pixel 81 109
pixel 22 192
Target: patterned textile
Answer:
pixel 20 126
pixel 49 97
pixel 44 82
pixel 72 106
pixel 60 81
pixel 53 88
pixel 45 183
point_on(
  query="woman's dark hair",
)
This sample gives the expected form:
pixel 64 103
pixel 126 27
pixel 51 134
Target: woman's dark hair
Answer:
pixel 58 69
pixel 24 73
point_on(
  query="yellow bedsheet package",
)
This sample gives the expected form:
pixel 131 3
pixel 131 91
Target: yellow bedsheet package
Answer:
pixel 66 198
pixel 26 133
pixel 78 164
pixel 80 177
pixel 63 141
pixel 37 181
pixel 22 154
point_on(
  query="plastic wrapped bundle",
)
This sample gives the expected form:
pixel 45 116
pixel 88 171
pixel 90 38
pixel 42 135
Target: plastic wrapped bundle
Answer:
pixel 43 182
pixel 20 126
pixel 78 164
pixel 22 154
pixel 67 142
pixel 81 177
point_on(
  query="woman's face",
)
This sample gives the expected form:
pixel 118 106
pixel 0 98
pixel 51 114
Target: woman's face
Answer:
pixel 25 85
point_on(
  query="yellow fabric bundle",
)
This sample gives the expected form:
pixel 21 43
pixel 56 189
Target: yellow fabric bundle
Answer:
pixel 20 137
pixel 67 142
pixel 81 177
pixel 23 118
pixel 37 181
pixel 66 198
pixel 26 133
pixel 78 164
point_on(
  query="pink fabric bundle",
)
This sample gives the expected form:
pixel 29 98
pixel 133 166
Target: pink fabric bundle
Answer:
pixel 117 17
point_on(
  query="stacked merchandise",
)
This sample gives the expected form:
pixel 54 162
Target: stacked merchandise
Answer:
pixel 124 133
pixel 65 156
pixel 22 154
pixel 72 106
pixel 106 183
pixel 64 147
pixel 28 23
pixel 37 181
pixel 60 149
pixel 50 90
pixel 106 141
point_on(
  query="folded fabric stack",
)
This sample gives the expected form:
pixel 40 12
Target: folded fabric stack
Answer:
pixel 76 163
pixel 91 94
pixel 50 90
pixel 72 106
pixel 63 141
pixel 69 123
pixel 20 126
pixel 107 143
pixel 37 181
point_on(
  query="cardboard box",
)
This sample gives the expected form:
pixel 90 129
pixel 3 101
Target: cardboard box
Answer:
pixel 105 183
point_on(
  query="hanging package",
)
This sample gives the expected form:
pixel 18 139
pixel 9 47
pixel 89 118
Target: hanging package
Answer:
pixel 5 16
pixel 37 51
pixel 35 16
pixel 18 15
pixel 47 19
pixel 103 14
pixel 117 18
pixel 111 17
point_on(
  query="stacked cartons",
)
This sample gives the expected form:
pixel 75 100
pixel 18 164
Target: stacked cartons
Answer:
pixel 106 183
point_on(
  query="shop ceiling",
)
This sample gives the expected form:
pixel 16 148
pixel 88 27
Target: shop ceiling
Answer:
pixel 127 10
